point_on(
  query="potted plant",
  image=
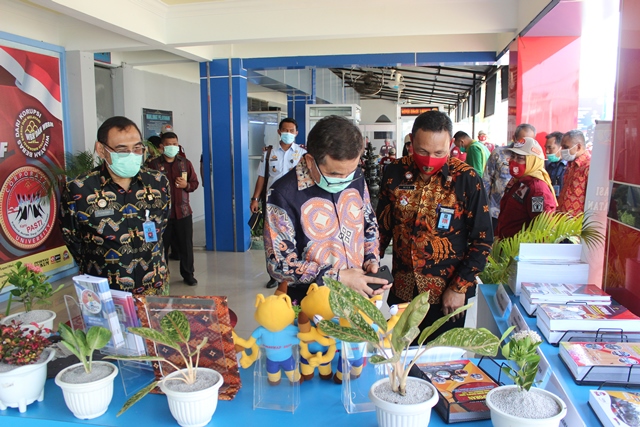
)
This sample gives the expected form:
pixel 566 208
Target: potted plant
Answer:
pixel 547 227
pixel 31 287
pixel 23 365
pixel 192 392
pixel 87 386
pixel 519 404
pixel 395 397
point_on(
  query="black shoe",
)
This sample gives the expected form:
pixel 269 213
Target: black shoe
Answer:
pixel 191 281
pixel 175 257
pixel 272 283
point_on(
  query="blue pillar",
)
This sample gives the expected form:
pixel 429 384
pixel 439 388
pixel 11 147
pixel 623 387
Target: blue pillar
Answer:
pixel 225 148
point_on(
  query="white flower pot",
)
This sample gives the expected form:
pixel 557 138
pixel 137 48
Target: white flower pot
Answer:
pixel 192 408
pixel 396 415
pixel 88 400
pixel 47 317
pixel 502 419
pixel 24 385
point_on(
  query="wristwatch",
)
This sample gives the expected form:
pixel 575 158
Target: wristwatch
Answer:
pixel 255 199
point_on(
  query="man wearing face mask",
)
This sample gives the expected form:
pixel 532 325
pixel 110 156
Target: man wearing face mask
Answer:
pixel 182 181
pixel 555 165
pixel 113 217
pixel 435 210
pixel 319 219
pixel 529 193
pixel 573 193
pixel 278 160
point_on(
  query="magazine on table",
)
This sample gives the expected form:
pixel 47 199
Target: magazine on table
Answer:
pixel 599 362
pixel 616 408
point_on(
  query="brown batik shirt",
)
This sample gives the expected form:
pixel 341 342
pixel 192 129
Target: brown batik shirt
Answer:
pixel 441 228
pixel 102 225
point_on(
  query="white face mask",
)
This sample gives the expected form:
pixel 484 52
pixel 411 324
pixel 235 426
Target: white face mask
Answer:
pixel 566 155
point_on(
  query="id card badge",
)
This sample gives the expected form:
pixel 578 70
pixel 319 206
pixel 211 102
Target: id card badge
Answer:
pixel 556 189
pixel 444 218
pixel 149 228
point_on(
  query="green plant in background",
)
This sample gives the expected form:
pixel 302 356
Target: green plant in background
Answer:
pixel 83 345
pixel 152 150
pixel 521 352
pixel 545 228
pixel 353 307
pixel 31 286
pixel 175 333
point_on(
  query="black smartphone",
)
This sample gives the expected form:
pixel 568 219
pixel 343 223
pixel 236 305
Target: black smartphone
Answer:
pixel 383 273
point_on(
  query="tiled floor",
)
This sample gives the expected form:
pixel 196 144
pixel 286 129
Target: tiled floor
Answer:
pixel 238 275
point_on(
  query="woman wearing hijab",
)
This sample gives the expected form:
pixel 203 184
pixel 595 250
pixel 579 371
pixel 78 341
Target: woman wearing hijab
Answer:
pixel 529 193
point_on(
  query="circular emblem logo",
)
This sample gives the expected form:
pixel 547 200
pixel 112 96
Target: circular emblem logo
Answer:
pixel 408 175
pixel 31 133
pixel 91 301
pixel 27 208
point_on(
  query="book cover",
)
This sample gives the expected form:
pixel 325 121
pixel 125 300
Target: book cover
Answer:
pixel 602 361
pixel 583 317
pixel 98 309
pixel 561 292
pixel 616 408
pixel 134 345
pixel 463 388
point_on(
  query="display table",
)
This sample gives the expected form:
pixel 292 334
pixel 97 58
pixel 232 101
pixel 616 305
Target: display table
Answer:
pixel 488 317
pixel 320 405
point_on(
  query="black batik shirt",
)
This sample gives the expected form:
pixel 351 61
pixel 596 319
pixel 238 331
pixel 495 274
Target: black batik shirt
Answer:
pixel 102 225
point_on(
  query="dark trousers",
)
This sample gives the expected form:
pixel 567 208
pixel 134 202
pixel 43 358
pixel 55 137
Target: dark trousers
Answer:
pixel 181 230
pixel 435 313
pixel 494 223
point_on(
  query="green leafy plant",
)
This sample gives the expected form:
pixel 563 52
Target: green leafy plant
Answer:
pixel 521 352
pixel 352 307
pixel 31 286
pixel 20 346
pixel 83 345
pixel 175 333
pixel 545 228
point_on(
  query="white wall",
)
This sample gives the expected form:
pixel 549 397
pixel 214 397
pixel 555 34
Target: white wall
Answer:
pixel 273 97
pixel 135 89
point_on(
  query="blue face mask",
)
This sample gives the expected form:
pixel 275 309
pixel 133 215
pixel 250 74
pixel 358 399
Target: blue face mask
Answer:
pixel 287 138
pixel 553 158
pixel 125 165
pixel 335 185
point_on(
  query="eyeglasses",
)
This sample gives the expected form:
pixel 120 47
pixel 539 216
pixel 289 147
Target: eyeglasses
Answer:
pixel 139 148
pixel 334 184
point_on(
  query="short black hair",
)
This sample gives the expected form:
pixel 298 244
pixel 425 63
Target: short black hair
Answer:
pixel 575 134
pixel 461 134
pixel 288 120
pixel 119 122
pixel 336 137
pixel 434 121
pixel 155 140
pixel 521 127
pixel 167 135
pixel 558 137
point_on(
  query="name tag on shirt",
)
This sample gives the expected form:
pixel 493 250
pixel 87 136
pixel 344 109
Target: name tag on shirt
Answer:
pixel 149 228
pixel 407 187
pixel 444 218
pixel 104 212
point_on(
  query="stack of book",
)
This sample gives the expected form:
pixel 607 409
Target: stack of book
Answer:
pixel 616 408
pixel 534 294
pixel 599 362
pixel 564 322
pixel 462 387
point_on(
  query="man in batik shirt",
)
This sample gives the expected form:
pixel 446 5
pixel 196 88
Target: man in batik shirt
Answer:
pixel 113 217
pixel 435 209
pixel 576 176
pixel 319 219
pixel 496 174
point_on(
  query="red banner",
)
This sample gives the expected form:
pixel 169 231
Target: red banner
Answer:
pixel 31 144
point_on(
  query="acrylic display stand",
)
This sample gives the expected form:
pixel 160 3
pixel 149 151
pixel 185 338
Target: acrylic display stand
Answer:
pixel 134 374
pixel 282 397
pixel 355 391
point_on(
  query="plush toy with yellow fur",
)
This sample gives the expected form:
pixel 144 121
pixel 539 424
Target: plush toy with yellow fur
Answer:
pixel 276 334
pixel 316 349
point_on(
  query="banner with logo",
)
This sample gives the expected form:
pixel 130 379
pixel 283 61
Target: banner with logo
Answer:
pixel 31 146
